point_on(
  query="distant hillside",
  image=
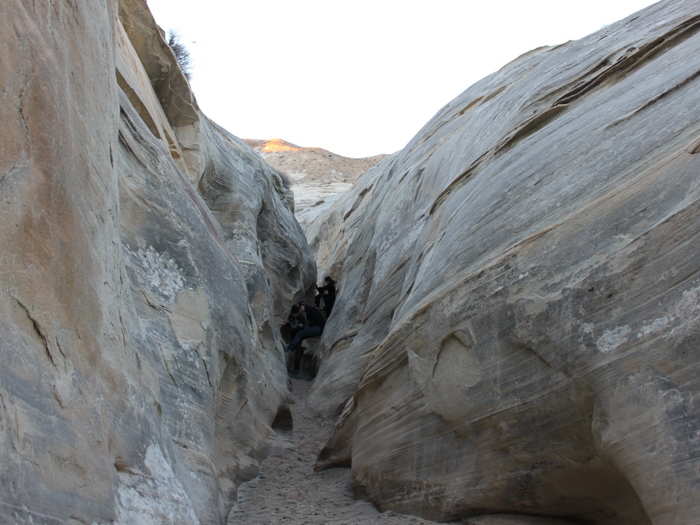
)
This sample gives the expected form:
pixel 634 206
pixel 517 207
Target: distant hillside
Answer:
pixel 317 175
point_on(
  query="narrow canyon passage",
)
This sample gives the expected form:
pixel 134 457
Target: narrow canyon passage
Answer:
pixel 516 319
pixel 288 490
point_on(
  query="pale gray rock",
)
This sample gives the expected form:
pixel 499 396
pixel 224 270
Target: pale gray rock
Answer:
pixel 142 364
pixel 517 326
pixel 252 201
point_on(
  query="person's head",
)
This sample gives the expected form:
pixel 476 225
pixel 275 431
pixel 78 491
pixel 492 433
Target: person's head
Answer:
pixel 328 280
pixel 295 309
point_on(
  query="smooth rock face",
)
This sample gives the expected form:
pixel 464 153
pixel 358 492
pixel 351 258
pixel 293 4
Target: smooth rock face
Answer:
pixel 517 325
pixel 142 365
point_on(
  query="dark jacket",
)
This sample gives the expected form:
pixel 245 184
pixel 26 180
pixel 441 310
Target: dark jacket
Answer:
pixel 314 317
pixel 328 294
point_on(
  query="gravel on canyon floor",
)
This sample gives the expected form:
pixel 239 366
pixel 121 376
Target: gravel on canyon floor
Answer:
pixel 288 491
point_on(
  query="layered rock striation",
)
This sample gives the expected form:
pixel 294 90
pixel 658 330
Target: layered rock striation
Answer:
pixel 517 326
pixel 148 258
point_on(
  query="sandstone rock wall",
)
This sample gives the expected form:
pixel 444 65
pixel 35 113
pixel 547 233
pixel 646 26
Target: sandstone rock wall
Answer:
pixel 147 259
pixel 517 326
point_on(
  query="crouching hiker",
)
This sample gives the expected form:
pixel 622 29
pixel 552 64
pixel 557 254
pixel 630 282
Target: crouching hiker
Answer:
pixel 313 322
pixel 327 294
pixel 295 323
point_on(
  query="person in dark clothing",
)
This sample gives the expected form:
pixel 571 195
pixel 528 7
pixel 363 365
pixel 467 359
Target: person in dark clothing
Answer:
pixel 295 322
pixel 313 327
pixel 313 315
pixel 328 293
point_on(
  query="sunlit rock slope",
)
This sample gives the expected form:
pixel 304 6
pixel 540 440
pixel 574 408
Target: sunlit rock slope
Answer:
pixel 317 176
pixel 518 322
pixel 147 259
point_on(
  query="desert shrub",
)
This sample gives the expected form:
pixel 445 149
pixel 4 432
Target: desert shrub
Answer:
pixel 182 54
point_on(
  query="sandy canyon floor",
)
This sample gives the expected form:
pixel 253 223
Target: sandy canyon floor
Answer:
pixel 288 491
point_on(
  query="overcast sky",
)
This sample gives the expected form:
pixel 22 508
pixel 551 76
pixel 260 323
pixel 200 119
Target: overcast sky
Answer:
pixel 359 77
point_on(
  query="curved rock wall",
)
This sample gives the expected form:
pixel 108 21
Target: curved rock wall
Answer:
pixel 517 325
pixel 142 365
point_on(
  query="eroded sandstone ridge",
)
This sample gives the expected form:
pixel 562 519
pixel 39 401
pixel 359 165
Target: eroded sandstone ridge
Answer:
pixel 317 176
pixel 518 322
pixel 148 258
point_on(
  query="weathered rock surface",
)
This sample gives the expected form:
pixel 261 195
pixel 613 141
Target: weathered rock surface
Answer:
pixel 317 175
pixel 517 326
pixel 141 362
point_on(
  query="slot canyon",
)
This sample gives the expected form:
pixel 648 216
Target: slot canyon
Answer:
pixel 516 334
